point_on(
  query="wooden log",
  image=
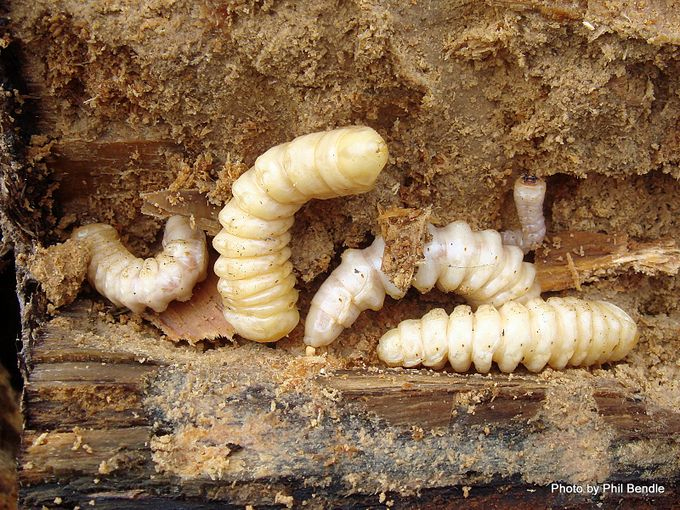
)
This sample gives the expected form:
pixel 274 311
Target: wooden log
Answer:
pixel 117 417
pixel 114 403
pixel 121 418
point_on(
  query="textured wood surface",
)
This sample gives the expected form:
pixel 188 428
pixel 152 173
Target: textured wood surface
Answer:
pixel 569 259
pixel 255 425
pixel 117 417
pixel 430 401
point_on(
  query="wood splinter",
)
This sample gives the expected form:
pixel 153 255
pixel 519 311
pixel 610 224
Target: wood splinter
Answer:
pixel 594 256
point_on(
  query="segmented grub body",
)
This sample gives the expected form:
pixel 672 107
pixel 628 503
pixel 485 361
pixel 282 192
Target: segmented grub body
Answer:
pixel 529 193
pixel 257 283
pixel 475 265
pixel 558 332
pixel 154 282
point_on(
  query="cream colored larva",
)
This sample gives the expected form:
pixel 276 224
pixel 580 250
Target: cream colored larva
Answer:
pixel 529 193
pixel 257 282
pixel 154 282
pixel 475 265
pixel 557 332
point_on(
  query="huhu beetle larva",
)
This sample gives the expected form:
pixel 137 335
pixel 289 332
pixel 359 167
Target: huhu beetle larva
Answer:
pixel 137 283
pixel 357 284
pixel 529 192
pixel 257 283
pixel 475 265
pixel 558 332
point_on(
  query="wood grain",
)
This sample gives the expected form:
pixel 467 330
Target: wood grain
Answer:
pixel 595 256
pixel 117 417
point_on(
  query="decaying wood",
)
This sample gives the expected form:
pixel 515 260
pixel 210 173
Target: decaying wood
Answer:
pixel 647 19
pixel 405 234
pixel 414 398
pixel 83 166
pixel 117 417
pixel 163 204
pixel 25 209
pixel 150 421
pixel 595 256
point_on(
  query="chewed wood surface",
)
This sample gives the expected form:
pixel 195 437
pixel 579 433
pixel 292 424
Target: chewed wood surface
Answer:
pixel 151 421
pixel 105 106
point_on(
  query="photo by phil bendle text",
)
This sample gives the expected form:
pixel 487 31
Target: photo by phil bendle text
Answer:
pixel 609 488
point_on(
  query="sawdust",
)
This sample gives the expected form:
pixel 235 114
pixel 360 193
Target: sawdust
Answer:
pixel 219 192
pixel 312 251
pixel 189 176
pixel 61 270
pixel 214 183
pixel 576 437
pixel 467 96
pixel 644 207
pixel 191 453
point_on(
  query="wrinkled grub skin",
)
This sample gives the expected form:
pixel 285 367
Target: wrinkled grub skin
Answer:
pixel 129 98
